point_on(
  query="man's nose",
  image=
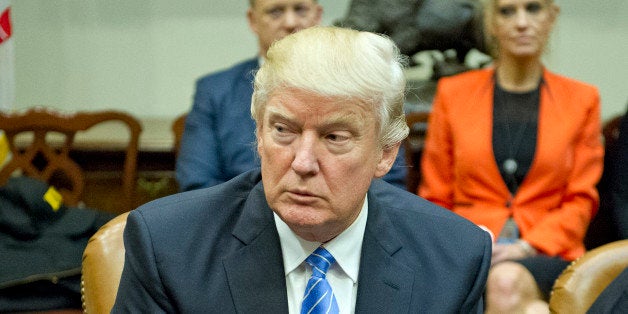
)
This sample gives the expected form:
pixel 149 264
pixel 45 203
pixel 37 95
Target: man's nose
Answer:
pixel 305 159
pixel 291 20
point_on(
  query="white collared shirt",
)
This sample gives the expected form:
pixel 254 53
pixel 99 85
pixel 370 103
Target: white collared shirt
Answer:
pixel 342 276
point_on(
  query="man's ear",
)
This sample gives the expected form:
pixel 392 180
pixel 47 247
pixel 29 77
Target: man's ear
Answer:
pixel 389 154
pixel 258 139
pixel 319 14
pixel 250 17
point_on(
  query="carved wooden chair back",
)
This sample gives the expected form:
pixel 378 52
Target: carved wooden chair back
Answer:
pixel 47 155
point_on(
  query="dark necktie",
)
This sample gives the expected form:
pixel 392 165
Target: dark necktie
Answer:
pixel 318 297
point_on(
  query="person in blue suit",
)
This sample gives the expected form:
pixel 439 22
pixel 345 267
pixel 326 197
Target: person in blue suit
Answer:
pixel 218 140
pixel 328 106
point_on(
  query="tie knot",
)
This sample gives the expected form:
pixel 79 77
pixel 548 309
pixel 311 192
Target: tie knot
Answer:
pixel 320 260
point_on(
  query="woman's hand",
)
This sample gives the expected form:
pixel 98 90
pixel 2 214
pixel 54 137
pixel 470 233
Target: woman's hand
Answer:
pixel 504 252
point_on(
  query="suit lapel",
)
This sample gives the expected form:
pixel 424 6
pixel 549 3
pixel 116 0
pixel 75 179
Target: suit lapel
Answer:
pixel 384 284
pixel 255 273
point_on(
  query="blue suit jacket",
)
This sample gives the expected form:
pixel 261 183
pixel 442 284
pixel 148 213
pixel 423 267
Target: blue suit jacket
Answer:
pixel 217 250
pixel 218 142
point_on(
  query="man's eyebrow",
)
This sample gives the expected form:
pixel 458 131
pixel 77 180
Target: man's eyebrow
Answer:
pixel 350 121
pixel 276 113
pixel 275 7
pixel 341 119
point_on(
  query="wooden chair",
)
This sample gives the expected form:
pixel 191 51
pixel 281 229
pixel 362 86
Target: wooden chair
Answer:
pixel 103 261
pixel 581 283
pixel 417 122
pixel 177 129
pixel 49 160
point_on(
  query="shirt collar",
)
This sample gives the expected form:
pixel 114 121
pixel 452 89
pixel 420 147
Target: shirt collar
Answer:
pixel 343 247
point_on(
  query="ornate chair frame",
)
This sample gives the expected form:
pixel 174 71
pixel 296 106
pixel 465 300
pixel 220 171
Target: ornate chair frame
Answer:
pixel 50 161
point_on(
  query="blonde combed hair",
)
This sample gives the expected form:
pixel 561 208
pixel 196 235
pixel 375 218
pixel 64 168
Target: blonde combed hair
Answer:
pixel 340 63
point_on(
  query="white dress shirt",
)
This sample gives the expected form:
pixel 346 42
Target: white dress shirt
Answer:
pixel 342 275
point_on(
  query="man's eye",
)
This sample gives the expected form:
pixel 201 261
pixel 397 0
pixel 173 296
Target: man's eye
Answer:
pixel 337 138
pixel 281 133
pixel 302 10
pixel 280 128
pixel 506 11
pixel 275 12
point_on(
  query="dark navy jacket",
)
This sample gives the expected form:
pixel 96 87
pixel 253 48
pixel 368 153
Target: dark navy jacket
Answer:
pixel 217 250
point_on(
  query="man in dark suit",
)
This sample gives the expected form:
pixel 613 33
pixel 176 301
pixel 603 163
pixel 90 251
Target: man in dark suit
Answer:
pixel 217 143
pixel 614 298
pixel 314 228
pixel 619 188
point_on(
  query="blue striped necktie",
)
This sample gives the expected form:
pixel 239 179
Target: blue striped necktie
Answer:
pixel 318 297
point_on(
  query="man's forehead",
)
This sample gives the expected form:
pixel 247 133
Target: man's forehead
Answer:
pixel 303 106
pixel 267 3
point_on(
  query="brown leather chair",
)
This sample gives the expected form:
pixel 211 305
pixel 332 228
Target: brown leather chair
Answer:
pixel 581 283
pixel 103 261
pixel 49 160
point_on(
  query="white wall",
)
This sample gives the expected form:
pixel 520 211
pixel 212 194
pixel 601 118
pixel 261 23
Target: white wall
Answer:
pixel 144 56
pixel 591 44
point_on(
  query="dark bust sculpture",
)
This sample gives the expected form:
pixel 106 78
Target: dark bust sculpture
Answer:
pixel 418 25
pixel 453 27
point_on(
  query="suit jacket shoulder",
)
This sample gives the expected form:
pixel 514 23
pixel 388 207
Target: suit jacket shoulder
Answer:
pixel 414 250
pixel 566 92
pixel 477 78
pixel 216 144
pixel 468 79
pixel 568 82
pixel 242 70
pixel 224 86
pixel 213 250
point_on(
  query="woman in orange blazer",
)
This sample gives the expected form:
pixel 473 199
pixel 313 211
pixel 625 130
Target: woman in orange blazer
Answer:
pixel 517 149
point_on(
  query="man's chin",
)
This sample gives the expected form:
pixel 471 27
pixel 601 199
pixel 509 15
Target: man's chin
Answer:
pixel 302 219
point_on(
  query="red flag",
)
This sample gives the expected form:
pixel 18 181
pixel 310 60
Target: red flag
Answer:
pixel 7 70
pixel 6 73
pixel 5 24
